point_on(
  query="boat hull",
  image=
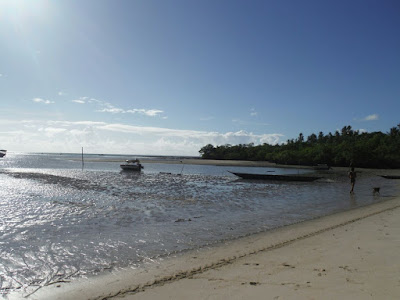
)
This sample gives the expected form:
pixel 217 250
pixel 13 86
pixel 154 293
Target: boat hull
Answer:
pixel 129 167
pixel 276 177
pixel 3 153
pixel 390 176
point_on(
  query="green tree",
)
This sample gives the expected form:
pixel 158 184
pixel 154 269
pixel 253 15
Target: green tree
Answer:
pixel 375 149
pixel 207 151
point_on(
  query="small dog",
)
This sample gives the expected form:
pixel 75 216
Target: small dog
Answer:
pixel 376 190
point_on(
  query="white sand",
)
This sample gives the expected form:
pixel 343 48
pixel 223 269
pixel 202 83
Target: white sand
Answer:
pixel 349 255
pixel 360 260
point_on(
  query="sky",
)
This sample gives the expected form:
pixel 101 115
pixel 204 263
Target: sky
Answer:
pixel 156 77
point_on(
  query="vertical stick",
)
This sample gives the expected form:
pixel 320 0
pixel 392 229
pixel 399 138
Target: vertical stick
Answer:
pixel 82 159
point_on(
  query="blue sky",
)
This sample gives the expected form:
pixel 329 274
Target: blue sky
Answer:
pixel 168 77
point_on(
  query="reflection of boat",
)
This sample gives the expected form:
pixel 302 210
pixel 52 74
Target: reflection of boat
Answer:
pixel 288 177
pixel 132 165
pixel 390 176
pixel 3 153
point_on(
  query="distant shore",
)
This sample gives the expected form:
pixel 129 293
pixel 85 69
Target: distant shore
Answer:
pixel 333 173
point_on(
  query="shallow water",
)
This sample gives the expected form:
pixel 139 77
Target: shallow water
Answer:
pixel 59 221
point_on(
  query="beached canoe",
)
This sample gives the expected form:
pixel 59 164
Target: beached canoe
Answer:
pixel 289 177
pixel 390 176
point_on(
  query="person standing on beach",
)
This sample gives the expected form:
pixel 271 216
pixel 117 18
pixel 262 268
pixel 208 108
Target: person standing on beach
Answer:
pixel 352 176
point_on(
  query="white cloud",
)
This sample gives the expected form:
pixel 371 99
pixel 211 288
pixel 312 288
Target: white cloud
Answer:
pixel 373 117
pixel 150 130
pixel 12 133
pixel 54 130
pixel 253 112
pixel 93 100
pixel 51 131
pixel 112 110
pixel 76 123
pixel 9 122
pixel 109 108
pixel 77 132
pixel 61 93
pixel 39 100
pixel 115 110
pixel 106 107
pixel 101 137
pixel 216 138
pixel 150 112
pixel 79 101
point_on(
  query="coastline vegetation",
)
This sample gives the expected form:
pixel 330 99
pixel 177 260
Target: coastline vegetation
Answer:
pixel 342 148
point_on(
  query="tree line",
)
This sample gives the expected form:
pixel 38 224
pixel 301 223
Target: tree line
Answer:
pixel 342 148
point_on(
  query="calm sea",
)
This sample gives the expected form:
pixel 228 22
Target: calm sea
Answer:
pixel 59 221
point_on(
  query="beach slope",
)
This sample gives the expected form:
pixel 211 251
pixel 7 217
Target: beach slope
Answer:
pixel 348 255
pixel 359 260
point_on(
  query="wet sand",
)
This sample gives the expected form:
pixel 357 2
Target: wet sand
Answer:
pixel 348 255
pixel 358 260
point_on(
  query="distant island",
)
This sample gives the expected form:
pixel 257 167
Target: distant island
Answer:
pixel 345 147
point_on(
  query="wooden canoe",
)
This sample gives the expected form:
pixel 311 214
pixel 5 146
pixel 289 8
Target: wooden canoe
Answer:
pixel 289 177
pixel 390 176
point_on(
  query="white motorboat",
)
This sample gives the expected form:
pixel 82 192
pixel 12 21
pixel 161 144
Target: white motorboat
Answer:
pixel 132 165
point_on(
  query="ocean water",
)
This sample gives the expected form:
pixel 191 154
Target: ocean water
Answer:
pixel 60 221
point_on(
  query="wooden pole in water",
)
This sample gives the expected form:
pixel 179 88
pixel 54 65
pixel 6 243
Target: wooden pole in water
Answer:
pixel 183 165
pixel 82 159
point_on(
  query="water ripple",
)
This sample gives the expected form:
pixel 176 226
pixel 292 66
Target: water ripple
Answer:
pixel 59 223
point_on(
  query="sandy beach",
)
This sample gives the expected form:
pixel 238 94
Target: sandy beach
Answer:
pixel 348 255
pixel 357 260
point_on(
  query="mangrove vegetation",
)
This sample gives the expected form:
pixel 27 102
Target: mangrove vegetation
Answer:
pixel 342 148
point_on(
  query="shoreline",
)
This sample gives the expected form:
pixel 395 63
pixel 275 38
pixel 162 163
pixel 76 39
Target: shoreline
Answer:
pixel 157 280
pixel 193 160
pixel 333 173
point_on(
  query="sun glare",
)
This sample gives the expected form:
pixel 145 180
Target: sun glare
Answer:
pixel 22 10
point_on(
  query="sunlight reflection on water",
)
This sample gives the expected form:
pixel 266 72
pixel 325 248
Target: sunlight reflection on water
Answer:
pixel 59 221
